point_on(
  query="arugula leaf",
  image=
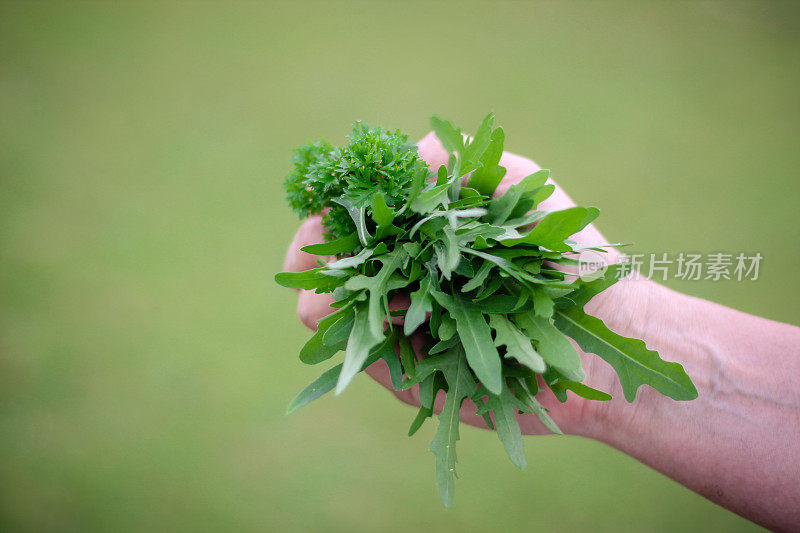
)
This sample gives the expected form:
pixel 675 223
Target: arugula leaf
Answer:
pixel 334 247
pixel 377 287
pixel 486 179
pixel 500 208
pixel 407 357
pixel 444 345
pixel 502 303
pixel 352 261
pixel 561 386
pixel 362 340
pixel 358 216
pixel 319 387
pixel 518 345
pixel 338 332
pixel 449 135
pixel 479 278
pixel 395 368
pixel 315 278
pixel 427 395
pixel 503 406
pixel 447 328
pixel 418 182
pixel 554 228
pixel 430 199
pixel 451 256
pixel 476 338
pixel 421 303
pixel 473 151
pixel 585 291
pixel 381 213
pixel 630 358
pixel 526 396
pixel 427 367
pixel 315 350
pixel 327 381
pixel 552 345
pixel 460 385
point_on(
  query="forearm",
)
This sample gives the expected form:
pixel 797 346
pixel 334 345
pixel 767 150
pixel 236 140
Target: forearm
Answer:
pixel 737 443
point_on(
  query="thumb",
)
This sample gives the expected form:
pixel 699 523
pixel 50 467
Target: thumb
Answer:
pixel 431 150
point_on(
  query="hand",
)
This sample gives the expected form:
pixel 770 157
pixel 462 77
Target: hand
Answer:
pixel 574 416
pixel 734 444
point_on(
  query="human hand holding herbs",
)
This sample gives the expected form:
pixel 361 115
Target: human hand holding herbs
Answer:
pixel 313 306
pixel 458 240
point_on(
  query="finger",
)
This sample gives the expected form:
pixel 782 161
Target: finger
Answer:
pixel 379 371
pixel 310 232
pixel 518 167
pixel 432 151
pixel 311 307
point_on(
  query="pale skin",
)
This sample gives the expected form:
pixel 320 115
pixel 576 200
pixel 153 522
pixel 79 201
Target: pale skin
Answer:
pixel 737 444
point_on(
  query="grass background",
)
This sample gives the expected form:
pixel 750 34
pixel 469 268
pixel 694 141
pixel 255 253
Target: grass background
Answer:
pixel 146 356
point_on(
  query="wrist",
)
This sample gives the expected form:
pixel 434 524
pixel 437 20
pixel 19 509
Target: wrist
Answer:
pixel 642 309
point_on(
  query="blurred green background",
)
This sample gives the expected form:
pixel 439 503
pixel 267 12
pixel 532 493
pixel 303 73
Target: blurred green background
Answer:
pixel 146 355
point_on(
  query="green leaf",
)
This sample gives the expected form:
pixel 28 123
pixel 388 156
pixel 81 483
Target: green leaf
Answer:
pixel 315 350
pixel 327 381
pixel 500 209
pixel 502 304
pixel 421 304
pixel 554 347
pixel 554 228
pixel 451 256
pixel 447 328
pixel 533 406
pixel 381 213
pixel 430 199
pixel 449 135
pixel 362 340
pixel 479 278
pixel 476 336
pixel 486 179
pixel 542 303
pixel 334 247
pixel 353 261
pixel 494 284
pixel 630 358
pixel 441 346
pixel 358 216
pixel 591 214
pixel 584 391
pixel 460 384
pixel 395 368
pixel 427 367
pixel 505 422
pixel 407 357
pixel 377 287
pixel 427 395
pixel 473 152
pixel 319 387
pixel 339 331
pixel 585 291
pixel 518 345
pixel 423 414
pixel 320 278
pixel 418 182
